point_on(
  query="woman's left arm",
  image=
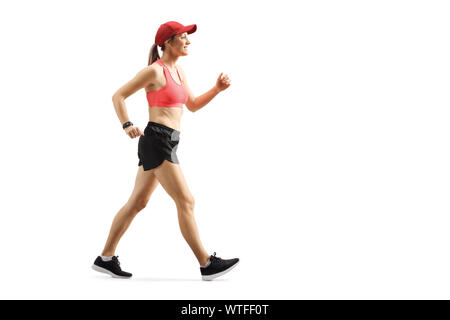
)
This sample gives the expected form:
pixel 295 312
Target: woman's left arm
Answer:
pixel 195 103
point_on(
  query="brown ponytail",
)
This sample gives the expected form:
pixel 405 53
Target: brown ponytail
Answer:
pixel 154 54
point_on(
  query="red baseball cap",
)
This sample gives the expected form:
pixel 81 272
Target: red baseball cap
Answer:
pixel 170 28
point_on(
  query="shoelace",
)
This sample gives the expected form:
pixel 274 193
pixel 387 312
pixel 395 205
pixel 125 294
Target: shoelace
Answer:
pixel 116 259
pixel 214 257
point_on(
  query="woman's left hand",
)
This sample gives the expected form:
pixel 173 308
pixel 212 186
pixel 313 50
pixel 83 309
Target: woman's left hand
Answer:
pixel 223 82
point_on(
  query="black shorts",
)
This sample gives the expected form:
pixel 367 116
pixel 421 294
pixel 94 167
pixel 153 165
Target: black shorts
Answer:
pixel 159 142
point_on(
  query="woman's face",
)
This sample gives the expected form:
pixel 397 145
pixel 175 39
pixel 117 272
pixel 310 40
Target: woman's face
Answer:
pixel 180 43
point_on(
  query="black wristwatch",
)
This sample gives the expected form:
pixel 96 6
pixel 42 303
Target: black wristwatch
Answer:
pixel 127 124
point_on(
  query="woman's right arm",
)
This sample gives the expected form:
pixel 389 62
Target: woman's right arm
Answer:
pixel 144 78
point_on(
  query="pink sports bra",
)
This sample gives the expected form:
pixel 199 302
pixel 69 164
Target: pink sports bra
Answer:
pixel 171 95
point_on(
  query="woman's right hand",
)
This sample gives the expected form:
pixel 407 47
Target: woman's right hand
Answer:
pixel 133 132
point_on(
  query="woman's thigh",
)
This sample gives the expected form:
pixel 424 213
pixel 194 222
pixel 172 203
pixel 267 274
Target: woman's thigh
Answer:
pixel 144 185
pixel 172 180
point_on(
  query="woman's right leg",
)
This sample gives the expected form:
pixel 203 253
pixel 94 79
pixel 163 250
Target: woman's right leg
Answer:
pixel 144 186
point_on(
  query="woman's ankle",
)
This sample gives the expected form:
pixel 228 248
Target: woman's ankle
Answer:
pixel 204 261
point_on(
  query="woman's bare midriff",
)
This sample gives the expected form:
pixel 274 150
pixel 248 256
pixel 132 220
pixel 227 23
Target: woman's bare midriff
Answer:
pixel 168 116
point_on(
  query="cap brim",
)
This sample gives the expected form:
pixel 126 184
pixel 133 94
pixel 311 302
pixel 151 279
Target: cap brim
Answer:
pixel 189 29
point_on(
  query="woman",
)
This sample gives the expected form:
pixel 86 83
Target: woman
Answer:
pixel 167 91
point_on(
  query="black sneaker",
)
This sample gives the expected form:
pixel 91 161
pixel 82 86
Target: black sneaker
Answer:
pixel 111 267
pixel 216 267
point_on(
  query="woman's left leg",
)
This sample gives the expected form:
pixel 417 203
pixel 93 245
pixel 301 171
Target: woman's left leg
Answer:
pixel 172 180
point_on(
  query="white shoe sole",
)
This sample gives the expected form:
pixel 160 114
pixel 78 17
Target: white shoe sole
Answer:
pixel 100 269
pixel 213 276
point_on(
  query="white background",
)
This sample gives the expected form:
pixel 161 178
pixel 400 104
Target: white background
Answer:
pixel 324 166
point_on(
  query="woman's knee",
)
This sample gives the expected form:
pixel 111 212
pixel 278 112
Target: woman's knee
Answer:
pixel 186 203
pixel 137 205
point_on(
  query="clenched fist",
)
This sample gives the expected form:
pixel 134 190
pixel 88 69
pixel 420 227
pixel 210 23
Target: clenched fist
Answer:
pixel 133 132
pixel 223 82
